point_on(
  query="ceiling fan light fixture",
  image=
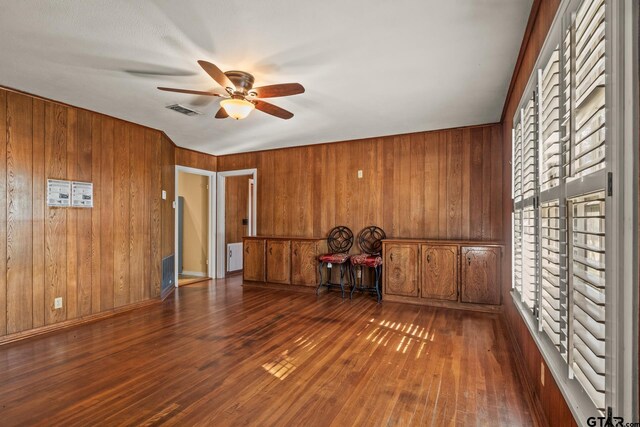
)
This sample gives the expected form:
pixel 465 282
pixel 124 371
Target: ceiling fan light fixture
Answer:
pixel 237 108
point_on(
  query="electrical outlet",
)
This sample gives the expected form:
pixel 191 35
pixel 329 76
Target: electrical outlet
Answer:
pixel 360 173
pixel 57 303
pixel 164 195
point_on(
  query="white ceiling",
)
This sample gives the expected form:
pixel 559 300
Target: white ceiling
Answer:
pixel 370 67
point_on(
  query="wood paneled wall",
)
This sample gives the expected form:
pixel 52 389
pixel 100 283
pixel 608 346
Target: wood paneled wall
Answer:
pixel 549 396
pixel 441 184
pixel 195 159
pixel 95 259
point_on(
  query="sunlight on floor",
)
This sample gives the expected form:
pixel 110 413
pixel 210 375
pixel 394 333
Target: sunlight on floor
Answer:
pixel 408 336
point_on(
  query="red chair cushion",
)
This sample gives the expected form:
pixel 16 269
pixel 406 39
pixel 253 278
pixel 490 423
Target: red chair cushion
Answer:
pixel 366 260
pixel 334 258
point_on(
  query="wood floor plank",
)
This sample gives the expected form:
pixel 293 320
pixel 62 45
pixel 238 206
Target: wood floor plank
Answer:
pixel 220 354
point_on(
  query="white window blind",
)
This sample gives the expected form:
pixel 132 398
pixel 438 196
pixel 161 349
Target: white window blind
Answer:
pixel 517 163
pixel 589 149
pixel 553 281
pixel 529 148
pixel 550 123
pixel 567 97
pixel 589 294
pixel 529 258
pixel 517 250
pixel 567 207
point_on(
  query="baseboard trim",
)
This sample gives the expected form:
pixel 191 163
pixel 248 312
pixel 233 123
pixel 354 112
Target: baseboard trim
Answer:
pixel 535 406
pixel 193 273
pixel 67 324
pixel 484 308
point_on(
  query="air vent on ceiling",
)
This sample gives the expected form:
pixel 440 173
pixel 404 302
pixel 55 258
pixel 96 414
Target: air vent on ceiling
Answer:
pixel 183 110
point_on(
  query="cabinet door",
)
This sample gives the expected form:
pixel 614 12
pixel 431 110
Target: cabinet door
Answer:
pixel 253 260
pixel 304 263
pixel 439 279
pixel 278 261
pixel 401 269
pixel 481 274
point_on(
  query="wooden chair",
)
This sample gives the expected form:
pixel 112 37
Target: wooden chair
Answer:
pixel 370 243
pixel 339 243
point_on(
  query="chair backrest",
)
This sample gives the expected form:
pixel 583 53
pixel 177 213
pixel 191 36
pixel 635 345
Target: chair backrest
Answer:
pixel 340 239
pixel 370 240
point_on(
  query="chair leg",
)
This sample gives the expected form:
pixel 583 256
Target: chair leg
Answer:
pixel 342 279
pixel 353 269
pixel 320 265
pixel 378 273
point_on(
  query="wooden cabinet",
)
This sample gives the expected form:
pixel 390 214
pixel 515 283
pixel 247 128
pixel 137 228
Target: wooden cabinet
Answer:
pixel 401 270
pixel 480 274
pixel 442 272
pixel 253 260
pixel 279 261
pixel 304 262
pixel 439 279
pixel 283 260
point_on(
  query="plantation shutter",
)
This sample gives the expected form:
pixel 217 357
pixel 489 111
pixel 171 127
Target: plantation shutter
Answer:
pixel 589 294
pixel 529 209
pixel 589 150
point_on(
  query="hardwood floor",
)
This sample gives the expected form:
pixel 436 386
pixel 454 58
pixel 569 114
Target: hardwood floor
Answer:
pixel 220 354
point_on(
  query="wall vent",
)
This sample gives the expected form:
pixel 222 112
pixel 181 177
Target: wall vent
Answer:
pixel 183 110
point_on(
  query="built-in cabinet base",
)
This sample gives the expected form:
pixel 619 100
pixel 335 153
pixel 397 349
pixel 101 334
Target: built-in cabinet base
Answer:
pixel 282 262
pixel 445 273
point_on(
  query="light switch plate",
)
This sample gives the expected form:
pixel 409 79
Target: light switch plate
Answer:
pixel 360 174
pixel 164 195
pixel 57 303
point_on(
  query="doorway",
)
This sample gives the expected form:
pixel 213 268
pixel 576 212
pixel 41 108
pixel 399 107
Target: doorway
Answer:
pixel 236 217
pixel 195 222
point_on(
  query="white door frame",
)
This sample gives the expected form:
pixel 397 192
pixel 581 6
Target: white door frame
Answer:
pixel 220 240
pixel 211 260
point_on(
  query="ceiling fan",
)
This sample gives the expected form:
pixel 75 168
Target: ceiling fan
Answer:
pixel 240 95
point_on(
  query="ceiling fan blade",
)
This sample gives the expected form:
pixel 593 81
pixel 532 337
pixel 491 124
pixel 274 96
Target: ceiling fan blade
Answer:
pixel 273 91
pixel 216 74
pixel 221 114
pixel 192 92
pixel 274 110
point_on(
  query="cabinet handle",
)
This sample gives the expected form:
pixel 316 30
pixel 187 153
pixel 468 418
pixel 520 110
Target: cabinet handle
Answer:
pixel 246 249
pixel 270 251
pixel 391 256
pixel 469 260
pixel 295 252
pixel 429 259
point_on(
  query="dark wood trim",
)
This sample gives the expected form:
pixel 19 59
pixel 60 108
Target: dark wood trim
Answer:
pixel 535 406
pixel 7 339
pixel 533 15
pixel 483 308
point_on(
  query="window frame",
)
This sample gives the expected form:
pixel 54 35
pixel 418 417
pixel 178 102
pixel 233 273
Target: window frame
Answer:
pixel 620 208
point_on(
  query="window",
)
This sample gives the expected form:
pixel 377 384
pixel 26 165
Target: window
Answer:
pixel 564 211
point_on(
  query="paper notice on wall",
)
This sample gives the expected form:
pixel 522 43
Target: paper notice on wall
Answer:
pixel 58 193
pixel 82 194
